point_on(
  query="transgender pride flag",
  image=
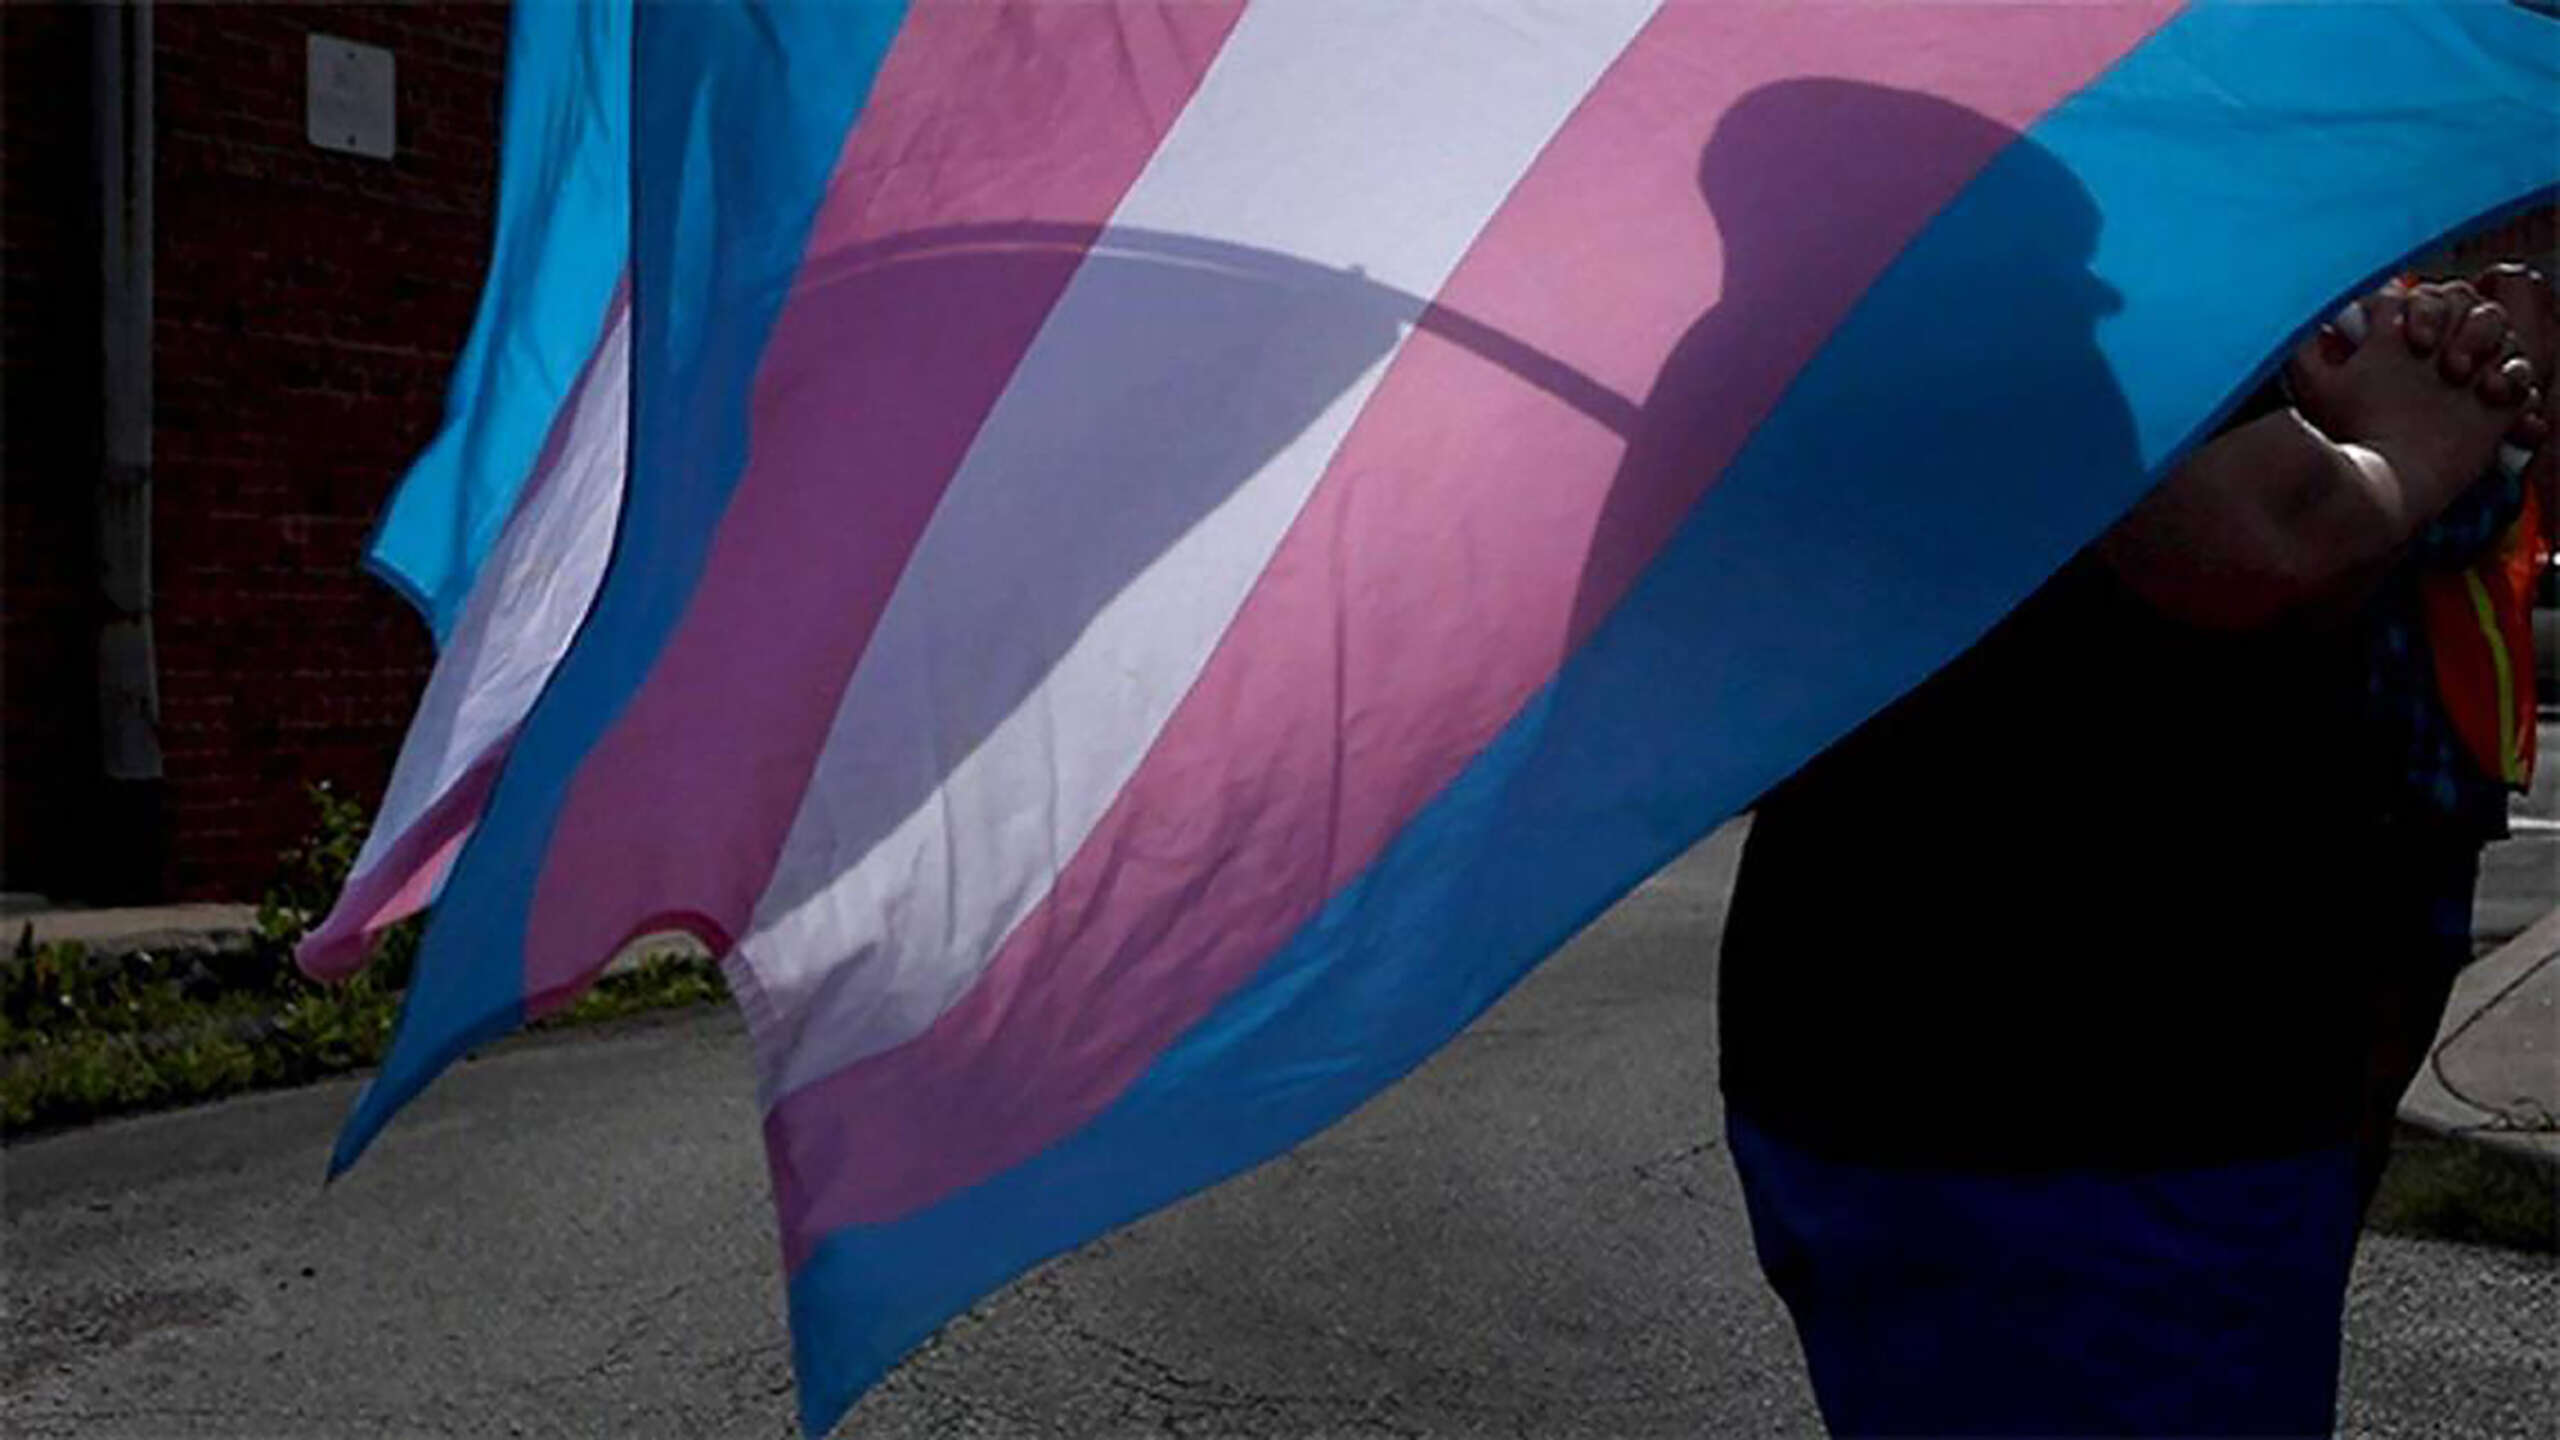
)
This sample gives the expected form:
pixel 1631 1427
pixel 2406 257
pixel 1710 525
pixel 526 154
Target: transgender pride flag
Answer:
pixel 1132 567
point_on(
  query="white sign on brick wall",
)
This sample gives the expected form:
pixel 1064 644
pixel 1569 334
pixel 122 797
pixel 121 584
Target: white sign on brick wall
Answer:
pixel 352 103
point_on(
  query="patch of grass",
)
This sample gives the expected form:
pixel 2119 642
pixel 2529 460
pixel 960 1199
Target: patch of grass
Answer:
pixel 664 981
pixel 153 1045
pixel 2443 1189
pixel 84 1036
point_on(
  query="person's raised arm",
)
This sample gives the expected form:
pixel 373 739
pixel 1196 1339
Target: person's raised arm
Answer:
pixel 2282 518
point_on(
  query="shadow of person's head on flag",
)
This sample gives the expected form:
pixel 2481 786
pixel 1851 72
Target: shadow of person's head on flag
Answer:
pixel 1894 420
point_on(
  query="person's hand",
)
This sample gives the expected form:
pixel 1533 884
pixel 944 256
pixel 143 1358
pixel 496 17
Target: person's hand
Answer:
pixel 2533 320
pixel 2473 332
pixel 2533 316
pixel 2432 387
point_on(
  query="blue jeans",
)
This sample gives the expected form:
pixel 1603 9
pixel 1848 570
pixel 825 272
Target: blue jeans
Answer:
pixel 2179 1302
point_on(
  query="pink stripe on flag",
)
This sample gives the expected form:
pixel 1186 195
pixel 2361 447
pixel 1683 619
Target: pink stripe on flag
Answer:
pixel 886 360
pixel 406 878
pixel 1471 531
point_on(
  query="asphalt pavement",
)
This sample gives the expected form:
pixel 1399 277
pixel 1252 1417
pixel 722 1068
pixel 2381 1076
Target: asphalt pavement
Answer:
pixel 1536 1235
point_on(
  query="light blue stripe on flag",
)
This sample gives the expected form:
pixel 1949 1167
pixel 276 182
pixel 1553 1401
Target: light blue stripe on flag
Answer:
pixel 564 220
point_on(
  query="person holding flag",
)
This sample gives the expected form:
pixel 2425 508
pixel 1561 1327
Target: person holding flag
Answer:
pixel 2089 1151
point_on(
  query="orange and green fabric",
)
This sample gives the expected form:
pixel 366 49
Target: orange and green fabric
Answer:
pixel 2479 628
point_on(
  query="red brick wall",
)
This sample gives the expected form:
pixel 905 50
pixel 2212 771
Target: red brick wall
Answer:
pixel 48 450
pixel 310 305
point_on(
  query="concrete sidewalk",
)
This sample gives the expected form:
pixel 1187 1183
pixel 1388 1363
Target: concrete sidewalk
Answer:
pixel 195 928
pixel 151 927
pixel 2494 1077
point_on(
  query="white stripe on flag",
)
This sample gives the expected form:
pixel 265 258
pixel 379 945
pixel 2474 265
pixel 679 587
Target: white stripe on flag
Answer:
pixel 1156 443
pixel 526 603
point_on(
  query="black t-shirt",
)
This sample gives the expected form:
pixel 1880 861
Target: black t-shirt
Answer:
pixel 2102 892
